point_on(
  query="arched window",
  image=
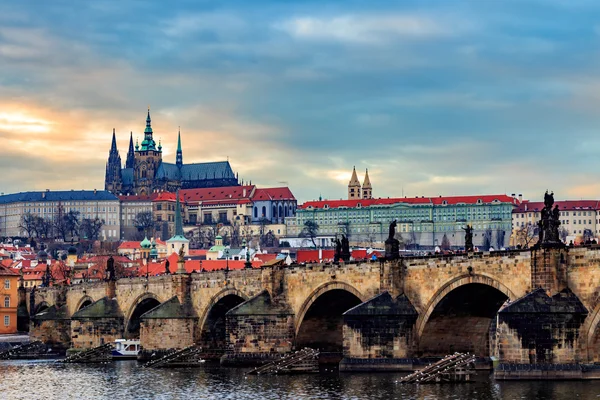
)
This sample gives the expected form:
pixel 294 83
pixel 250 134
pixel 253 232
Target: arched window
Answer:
pixel 280 211
pixel 264 211
pixel 6 301
pixel 274 212
pixel 285 211
pixel 255 212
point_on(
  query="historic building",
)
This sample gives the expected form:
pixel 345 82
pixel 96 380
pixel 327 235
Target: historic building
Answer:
pixel 52 204
pixel 423 222
pixel 146 172
pixel 9 282
pixel 580 220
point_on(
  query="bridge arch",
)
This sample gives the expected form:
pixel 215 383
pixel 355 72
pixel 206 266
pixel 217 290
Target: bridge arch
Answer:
pixel 211 324
pixel 591 340
pixel 319 322
pixel 468 303
pixel 41 307
pixel 83 302
pixel 140 306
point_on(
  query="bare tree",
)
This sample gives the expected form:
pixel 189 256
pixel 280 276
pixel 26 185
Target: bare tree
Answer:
pixel 526 234
pixel 310 230
pixel 500 238
pixel 563 233
pixel 144 222
pixel 42 227
pixel 487 239
pixel 72 218
pixel 60 223
pixel 27 224
pixel 90 228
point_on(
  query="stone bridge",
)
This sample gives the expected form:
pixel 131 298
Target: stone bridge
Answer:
pixel 524 307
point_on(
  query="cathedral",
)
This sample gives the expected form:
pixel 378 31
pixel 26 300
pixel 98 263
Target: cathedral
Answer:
pixel 145 171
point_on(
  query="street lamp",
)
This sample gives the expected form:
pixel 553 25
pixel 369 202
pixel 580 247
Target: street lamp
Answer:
pixel 226 253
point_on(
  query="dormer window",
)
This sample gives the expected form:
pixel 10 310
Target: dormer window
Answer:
pixel 444 203
pixel 358 205
pixel 326 206
pixel 479 201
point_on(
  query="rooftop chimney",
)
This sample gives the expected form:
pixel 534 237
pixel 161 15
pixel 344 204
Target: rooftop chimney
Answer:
pixel 520 197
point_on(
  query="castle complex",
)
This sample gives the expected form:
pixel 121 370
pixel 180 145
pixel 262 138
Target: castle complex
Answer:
pixel 145 171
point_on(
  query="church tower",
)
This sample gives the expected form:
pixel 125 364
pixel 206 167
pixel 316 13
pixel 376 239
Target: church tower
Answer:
pixel 112 180
pixel 147 159
pixel 130 162
pixel 367 190
pixel 353 186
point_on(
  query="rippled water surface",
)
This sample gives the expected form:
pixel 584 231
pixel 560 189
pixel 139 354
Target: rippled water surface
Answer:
pixel 127 380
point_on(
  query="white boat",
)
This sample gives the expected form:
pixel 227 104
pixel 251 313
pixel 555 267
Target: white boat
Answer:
pixel 126 349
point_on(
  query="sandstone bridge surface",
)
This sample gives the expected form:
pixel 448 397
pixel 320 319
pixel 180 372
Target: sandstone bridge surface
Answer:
pixel 523 307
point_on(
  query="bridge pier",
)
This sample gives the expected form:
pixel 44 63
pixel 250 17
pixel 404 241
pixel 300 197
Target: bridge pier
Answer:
pixel 258 330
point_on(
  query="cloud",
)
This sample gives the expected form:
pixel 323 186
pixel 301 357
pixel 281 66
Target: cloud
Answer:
pixel 363 29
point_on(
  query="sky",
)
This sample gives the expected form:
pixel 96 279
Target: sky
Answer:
pixel 433 97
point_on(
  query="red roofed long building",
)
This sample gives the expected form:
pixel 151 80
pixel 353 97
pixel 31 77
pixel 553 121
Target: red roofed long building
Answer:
pixel 576 217
pixel 424 222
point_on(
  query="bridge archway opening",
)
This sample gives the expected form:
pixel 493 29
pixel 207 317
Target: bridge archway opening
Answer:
pixel 133 325
pixel 41 307
pixel 462 321
pixel 322 325
pixel 213 332
pixel 86 301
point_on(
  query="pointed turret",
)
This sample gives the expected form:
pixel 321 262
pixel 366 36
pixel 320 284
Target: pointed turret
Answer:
pixel 367 190
pixel 179 158
pixel 130 161
pixel 354 186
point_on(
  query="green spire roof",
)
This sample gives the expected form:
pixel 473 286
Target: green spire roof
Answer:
pixel 145 244
pixel 148 123
pixel 148 143
pixel 179 141
pixel 178 221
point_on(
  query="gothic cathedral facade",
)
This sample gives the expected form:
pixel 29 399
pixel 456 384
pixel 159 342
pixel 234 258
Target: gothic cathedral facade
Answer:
pixel 145 171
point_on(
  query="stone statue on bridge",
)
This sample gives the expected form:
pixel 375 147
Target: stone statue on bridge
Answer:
pixel 345 251
pixel 392 245
pixel 110 270
pixel 549 224
pixel 182 253
pixel 338 251
pixel 32 301
pixel 167 268
pixel 468 238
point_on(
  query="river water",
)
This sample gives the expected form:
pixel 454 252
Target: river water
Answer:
pixel 127 380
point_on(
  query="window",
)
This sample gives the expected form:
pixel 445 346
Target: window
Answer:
pixel 6 284
pixel 6 320
pixel 6 301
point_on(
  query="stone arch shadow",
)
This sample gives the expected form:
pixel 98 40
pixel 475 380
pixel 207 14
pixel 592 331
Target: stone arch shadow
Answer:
pixel 83 302
pixel 142 304
pixel 210 332
pixel 590 334
pixel 330 301
pixel 442 309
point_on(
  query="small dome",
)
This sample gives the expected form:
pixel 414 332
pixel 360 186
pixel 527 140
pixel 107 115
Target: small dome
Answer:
pixel 219 237
pixel 42 256
pixel 72 250
pixel 145 243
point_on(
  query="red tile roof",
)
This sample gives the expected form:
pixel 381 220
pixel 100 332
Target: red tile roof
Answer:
pixel 565 205
pixel 158 268
pixel 277 193
pixel 4 271
pixel 266 257
pixel 167 196
pixel 313 255
pixel 406 200
pixel 230 194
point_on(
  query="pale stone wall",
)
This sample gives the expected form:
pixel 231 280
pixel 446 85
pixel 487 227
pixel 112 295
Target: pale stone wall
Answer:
pixel 301 283
pixel 167 334
pixel 89 333
pixel 55 333
pixel 425 277
pixel 77 294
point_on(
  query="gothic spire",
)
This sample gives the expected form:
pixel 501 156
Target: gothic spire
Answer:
pixel 179 157
pixel 113 146
pixel 367 182
pixel 178 221
pixel 130 161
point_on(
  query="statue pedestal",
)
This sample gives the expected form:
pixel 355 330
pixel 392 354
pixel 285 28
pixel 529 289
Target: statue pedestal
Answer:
pixel 392 249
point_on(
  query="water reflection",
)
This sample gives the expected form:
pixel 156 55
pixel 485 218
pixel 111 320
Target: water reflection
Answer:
pixel 127 380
